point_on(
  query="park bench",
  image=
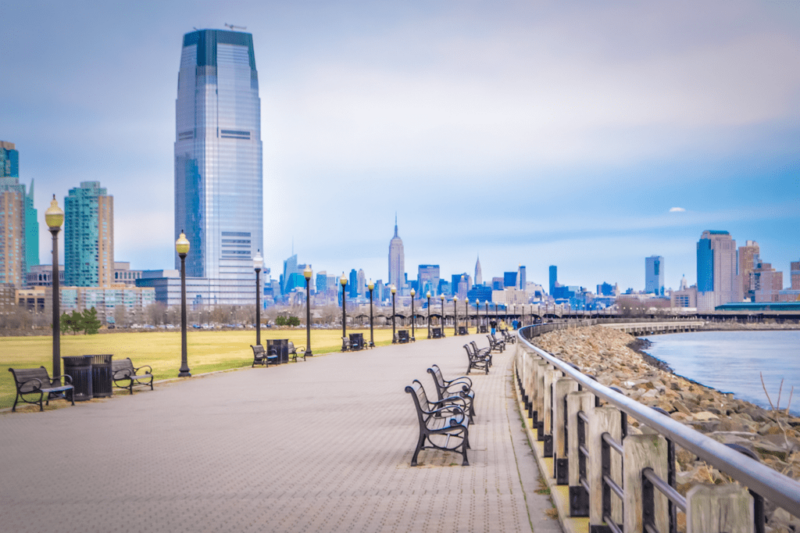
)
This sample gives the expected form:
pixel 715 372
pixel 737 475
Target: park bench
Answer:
pixel 460 386
pixel 38 381
pixel 510 339
pixel 345 344
pixel 260 357
pixel 496 344
pixel 480 351
pixel 293 352
pixel 124 371
pixel 444 420
pixel 478 361
pixel 402 336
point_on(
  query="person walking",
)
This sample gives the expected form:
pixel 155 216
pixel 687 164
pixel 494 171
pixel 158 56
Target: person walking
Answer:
pixel 493 325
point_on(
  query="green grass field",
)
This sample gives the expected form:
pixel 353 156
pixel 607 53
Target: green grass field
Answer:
pixel 208 351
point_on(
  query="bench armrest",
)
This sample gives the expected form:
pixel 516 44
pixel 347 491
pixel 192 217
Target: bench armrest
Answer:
pixel 299 348
pixel 128 370
pixel 463 379
pixel 136 370
pixel 65 376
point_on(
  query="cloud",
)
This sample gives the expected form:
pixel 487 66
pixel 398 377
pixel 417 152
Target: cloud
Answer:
pixel 677 210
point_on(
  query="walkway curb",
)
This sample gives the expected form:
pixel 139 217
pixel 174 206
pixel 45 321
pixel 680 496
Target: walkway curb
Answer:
pixel 559 494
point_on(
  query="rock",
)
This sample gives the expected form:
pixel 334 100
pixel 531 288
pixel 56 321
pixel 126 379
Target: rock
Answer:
pixel 705 416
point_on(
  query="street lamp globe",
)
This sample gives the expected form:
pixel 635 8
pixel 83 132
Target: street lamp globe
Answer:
pixel 307 272
pixel 455 298
pixel 371 284
pixel 343 280
pixel 54 216
pixel 413 292
pixel 428 294
pixel 258 262
pixel 394 289
pixel 181 245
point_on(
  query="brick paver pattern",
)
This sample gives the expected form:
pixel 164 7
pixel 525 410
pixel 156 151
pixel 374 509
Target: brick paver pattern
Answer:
pixel 322 445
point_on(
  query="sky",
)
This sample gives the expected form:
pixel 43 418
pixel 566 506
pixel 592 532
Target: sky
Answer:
pixel 586 135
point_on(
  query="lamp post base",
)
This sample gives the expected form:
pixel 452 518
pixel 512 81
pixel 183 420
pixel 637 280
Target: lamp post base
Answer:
pixel 309 353
pixel 184 374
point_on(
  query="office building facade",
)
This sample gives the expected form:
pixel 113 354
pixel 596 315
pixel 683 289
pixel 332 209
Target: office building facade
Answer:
pixel 795 275
pixel 13 216
pixel 428 279
pixel 522 278
pixel 654 275
pixel 89 236
pixel 218 162
pixel 717 281
pixel 510 279
pixel 748 258
pixel 553 271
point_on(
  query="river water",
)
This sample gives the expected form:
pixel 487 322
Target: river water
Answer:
pixel 730 361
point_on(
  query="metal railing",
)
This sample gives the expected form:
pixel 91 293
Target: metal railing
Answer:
pixel 555 395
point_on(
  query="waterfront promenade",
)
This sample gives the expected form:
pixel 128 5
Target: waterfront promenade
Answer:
pixel 323 445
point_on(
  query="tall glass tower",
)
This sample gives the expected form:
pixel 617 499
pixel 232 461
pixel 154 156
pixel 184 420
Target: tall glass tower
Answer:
pixel 218 162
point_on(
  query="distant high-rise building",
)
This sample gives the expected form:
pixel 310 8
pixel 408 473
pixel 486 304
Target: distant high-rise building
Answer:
pixel 522 281
pixel 397 261
pixel 13 266
pixel 497 284
pixel 428 279
pixel 654 275
pixel 748 259
pixel 795 275
pixel 766 282
pixel 510 279
pixel 362 282
pixel 478 273
pixel 607 289
pixel 455 281
pixel 289 268
pixel 717 282
pixel 353 284
pixel 89 236
pixel 218 162
pixel 322 282
pixel 553 278
pixel 31 231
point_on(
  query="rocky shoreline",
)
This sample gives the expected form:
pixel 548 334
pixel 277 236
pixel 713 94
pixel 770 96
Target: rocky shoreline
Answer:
pixel 619 360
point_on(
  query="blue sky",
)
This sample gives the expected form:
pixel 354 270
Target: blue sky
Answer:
pixel 529 133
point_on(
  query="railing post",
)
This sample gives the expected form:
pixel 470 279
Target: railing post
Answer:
pixel 563 386
pixel 603 420
pixel 640 452
pixel 578 435
pixel 540 367
pixel 719 509
pixel 551 375
pixel 530 386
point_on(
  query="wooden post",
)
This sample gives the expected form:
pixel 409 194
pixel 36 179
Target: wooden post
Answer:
pixel 640 452
pixel 530 386
pixel 540 367
pixel 719 509
pixel 603 420
pixel 578 497
pixel 563 387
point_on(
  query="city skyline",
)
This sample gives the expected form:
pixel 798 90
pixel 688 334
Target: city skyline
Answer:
pixel 657 178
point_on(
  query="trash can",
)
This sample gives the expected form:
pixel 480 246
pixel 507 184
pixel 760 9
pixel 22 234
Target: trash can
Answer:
pixel 79 368
pixel 279 347
pixel 101 375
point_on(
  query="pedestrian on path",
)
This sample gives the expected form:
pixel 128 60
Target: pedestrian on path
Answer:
pixel 493 324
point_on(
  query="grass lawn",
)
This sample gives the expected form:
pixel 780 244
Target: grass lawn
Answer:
pixel 208 351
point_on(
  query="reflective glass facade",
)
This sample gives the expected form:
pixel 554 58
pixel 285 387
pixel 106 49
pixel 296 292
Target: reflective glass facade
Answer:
pixel 218 160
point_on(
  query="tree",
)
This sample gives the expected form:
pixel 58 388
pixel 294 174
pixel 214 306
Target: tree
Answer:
pixel 72 322
pixel 89 322
pixel 292 321
pixel 280 320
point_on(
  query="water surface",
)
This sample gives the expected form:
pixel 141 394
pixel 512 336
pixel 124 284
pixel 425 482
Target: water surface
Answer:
pixel 730 361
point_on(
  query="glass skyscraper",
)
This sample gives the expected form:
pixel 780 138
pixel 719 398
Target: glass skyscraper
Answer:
pixel 88 236
pixel 218 161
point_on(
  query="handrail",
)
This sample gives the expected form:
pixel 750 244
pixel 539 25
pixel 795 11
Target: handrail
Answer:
pixel 774 486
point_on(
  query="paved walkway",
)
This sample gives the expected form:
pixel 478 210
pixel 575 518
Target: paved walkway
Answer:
pixel 323 445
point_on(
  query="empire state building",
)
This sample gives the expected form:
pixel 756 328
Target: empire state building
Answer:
pixel 396 259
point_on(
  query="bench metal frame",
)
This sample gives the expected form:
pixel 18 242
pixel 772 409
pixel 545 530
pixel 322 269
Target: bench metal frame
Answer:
pixel 134 378
pixel 36 386
pixel 445 417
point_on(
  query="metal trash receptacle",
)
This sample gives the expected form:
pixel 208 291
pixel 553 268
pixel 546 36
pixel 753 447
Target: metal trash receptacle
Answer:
pixel 79 368
pixel 279 347
pixel 101 375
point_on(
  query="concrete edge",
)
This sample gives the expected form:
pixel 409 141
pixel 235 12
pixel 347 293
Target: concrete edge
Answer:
pixel 559 494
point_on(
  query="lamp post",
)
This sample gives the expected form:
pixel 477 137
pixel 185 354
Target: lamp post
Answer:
pixel 307 272
pixel 182 247
pixel 258 263
pixel 477 315
pixel 455 315
pixel 343 282
pixel 54 217
pixel 371 287
pixel 413 316
pixel 394 337
pixel 428 295
pixel 466 312
pixel 441 297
